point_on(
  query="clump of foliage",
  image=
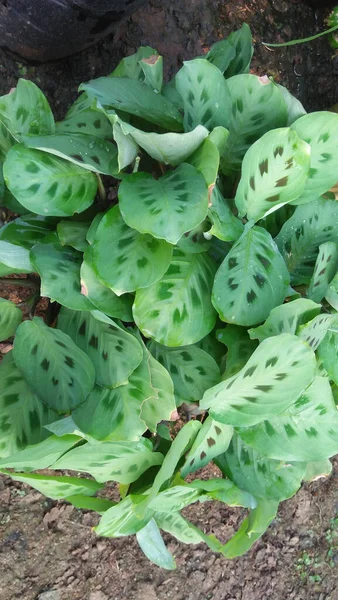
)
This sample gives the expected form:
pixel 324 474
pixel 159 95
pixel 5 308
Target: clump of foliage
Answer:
pixel 209 285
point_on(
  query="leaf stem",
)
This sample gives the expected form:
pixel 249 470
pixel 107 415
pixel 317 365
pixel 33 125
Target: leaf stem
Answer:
pixel 101 188
pixel 302 40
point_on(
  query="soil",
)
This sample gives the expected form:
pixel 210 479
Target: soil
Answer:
pixel 48 549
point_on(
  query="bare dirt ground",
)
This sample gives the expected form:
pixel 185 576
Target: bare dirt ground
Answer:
pixel 48 549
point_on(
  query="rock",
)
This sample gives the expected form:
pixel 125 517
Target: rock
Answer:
pixel 51 595
pixel 98 596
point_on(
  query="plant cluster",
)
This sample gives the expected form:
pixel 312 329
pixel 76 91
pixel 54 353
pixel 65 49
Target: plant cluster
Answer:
pixel 207 283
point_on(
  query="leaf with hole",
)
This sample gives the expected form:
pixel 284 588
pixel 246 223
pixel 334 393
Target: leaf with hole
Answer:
pixel 59 269
pixel 256 106
pixel 10 319
pixel 177 310
pixel 102 297
pixel 299 240
pixel 48 185
pixel 212 439
pixel 23 416
pixel 274 172
pixel 136 98
pixel 251 280
pixel 192 370
pixel 276 374
pixel 57 370
pixel 205 95
pixel 114 353
pixel 111 461
pixel 307 431
pixel 166 207
pixel 286 319
pixel 26 111
pixel 319 130
pixel 116 245
pixel 87 151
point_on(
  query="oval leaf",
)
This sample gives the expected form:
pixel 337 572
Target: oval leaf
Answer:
pixel 10 319
pixel 177 310
pixel 54 367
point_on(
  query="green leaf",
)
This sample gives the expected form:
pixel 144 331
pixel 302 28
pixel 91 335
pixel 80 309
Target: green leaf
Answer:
pixel 111 461
pixel 127 149
pixel 166 207
pixel 319 130
pixel 40 455
pixel 193 371
pixel 26 110
pixel 88 122
pixel 225 491
pixel 181 444
pixel 286 319
pixel 73 233
pixel 179 527
pixel 315 331
pixel 225 226
pixel 10 318
pixel 126 260
pixel 251 529
pixel 233 55
pixel 264 478
pixel 99 505
pixel 205 95
pixel 22 414
pixel 130 65
pixel 57 487
pixel 176 498
pixel 327 354
pixel 177 310
pixel 240 347
pixel 277 373
pixel 274 172
pixel 206 159
pixel 152 545
pixel 212 439
pixel 59 269
pixel 331 295
pixel 122 520
pixel 99 295
pixel 194 241
pixel 169 148
pixel 53 366
pixel 251 280
pixel 301 236
pixel 135 98
pixel 152 68
pixel 325 269
pixel 124 413
pixel 256 106
pixel 27 230
pixel 295 109
pixel 47 184
pixel 87 151
pixel 6 141
pixel 307 431
pixel 14 259
pixel 114 353
pixel 317 470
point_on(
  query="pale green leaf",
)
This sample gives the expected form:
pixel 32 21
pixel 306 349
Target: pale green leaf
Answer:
pixel 177 310
pixel 251 281
pixel 277 373
pixel 212 439
pixel 10 318
pixel 233 55
pixel 73 233
pixel 240 347
pixel 57 487
pixel 151 543
pixel 40 455
pixel 225 226
pixel 286 319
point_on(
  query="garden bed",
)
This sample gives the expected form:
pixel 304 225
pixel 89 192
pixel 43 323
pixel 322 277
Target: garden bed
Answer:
pixel 46 545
